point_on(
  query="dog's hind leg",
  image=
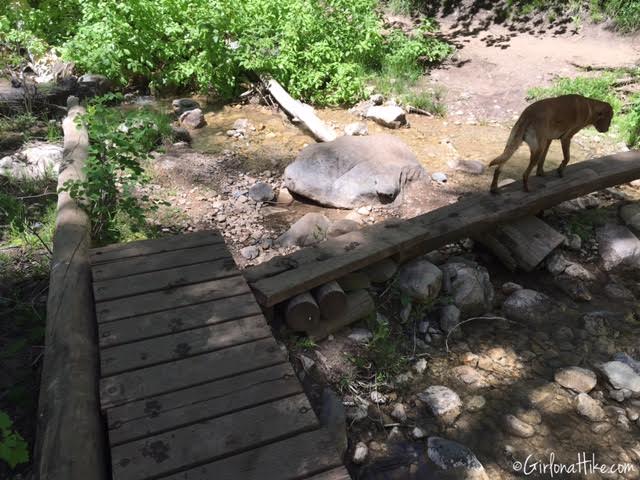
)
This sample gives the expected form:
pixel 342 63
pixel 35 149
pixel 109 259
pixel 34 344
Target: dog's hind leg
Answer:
pixel 496 175
pixel 535 156
pixel 543 157
pixel 566 152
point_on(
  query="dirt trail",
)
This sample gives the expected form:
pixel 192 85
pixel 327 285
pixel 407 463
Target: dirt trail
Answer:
pixel 495 64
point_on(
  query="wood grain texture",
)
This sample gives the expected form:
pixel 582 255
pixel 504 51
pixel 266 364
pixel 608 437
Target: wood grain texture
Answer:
pixel 283 277
pixel 160 280
pixel 170 298
pixel 177 319
pixel 70 364
pixel 168 377
pixel 291 459
pixel 184 407
pixel 212 439
pixel 144 353
pixel 139 248
pixel 158 261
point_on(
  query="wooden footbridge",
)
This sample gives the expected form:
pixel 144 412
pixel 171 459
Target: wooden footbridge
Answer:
pixel 159 363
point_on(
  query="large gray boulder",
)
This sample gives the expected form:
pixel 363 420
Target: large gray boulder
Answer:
pixel 353 171
pixel 618 246
pixel 36 161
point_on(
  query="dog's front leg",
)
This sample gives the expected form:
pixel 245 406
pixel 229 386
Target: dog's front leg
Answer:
pixel 566 152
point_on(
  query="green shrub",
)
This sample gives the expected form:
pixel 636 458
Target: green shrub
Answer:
pixel 118 143
pixel 13 448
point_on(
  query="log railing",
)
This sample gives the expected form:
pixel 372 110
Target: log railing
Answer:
pixel 70 439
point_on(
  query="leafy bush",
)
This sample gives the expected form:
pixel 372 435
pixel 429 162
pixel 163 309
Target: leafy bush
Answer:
pixel 13 448
pixel 118 143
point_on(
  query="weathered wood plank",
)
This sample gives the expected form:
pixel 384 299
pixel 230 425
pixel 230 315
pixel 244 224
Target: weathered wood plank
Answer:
pixel 284 277
pixel 177 319
pixel 163 279
pixel 168 377
pixel 138 248
pixel 339 473
pixel 172 451
pixel 132 356
pixel 158 261
pixel 525 242
pixel 171 298
pixel 290 459
pixel 166 412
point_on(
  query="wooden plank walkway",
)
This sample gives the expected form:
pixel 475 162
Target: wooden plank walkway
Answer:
pixel 284 277
pixel 193 385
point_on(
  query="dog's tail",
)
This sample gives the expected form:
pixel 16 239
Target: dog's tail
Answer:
pixel 516 137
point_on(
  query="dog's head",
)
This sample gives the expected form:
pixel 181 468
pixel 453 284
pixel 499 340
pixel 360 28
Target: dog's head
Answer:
pixel 602 115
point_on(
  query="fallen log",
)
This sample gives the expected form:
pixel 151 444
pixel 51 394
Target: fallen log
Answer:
pixel 359 305
pixel 47 97
pixel 523 243
pixel 70 439
pixel 302 312
pixel 331 299
pixel 283 277
pixel 299 110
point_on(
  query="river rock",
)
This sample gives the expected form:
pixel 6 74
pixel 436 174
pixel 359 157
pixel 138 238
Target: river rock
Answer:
pixel 35 161
pixel 444 403
pixel 470 287
pixel 621 376
pixel 284 197
pixel 618 246
pixel 356 129
pixel 528 306
pixel 192 119
pixel 261 192
pixel 341 227
pixel 473 167
pixel 181 105
pixel 390 116
pixel 382 271
pixel 578 379
pixel 514 426
pixel 630 214
pixel 399 412
pixel 450 455
pixel 250 252
pixel 353 171
pixel 590 408
pixel 421 280
pixel 309 230
pixel 180 134
pixel 624 358
pixel 449 318
pixel 439 177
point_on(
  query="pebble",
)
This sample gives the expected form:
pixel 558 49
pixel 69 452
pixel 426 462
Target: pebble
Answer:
pixel 444 403
pixel 418 433
pixel 420 366
pixel 250 252
pixel 439 177
pixel 360 335
pixel 360 453
pixel 517 427
pixel 378 398
pixel 576 378
pixel 589 408
pixel 399 412
pixel 475 403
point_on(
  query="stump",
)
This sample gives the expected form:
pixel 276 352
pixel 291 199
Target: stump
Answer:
pixel 331 299
pixel 302 312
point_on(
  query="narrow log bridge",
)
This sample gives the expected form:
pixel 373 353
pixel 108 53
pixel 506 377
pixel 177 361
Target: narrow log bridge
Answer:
pixel 284 277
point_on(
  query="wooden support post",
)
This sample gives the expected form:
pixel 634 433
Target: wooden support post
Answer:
pixel 359 305
pixel 331 299
pixel 302 312
pixel 301 111
pixel 523 243
pixel 70 440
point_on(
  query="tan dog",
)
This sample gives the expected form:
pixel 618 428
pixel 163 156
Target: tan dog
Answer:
pixel 549 119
